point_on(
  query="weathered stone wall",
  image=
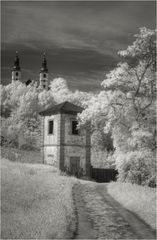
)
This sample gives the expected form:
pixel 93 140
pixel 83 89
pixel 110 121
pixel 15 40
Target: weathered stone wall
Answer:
pixel 73 139
pixel 51 139
pixel 88 149
pixel 61 140
pixel 50 155
pixel 42 139
pixel 76 145
pixel 50 148
pixel 75 151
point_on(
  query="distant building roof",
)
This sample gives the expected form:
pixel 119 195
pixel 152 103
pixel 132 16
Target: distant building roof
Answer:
pixel 65 107
pixel 28 82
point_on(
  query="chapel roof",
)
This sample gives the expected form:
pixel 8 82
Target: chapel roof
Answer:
pixel 65 107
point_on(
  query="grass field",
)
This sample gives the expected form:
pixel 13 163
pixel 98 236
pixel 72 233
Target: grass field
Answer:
pixel 138 199
pixel 36 202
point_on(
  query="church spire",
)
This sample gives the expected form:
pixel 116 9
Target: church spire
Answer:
pixel 16 66
pixel 16 70
pixel 43 76
pixel 44 64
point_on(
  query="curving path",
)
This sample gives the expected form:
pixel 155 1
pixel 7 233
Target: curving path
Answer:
pixel 99 216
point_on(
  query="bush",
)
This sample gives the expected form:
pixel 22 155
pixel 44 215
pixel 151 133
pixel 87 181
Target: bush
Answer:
pixel 23 156
pixel 137 167
pixel 152 182
pixel 10 153
pixel 27 147
pixel 102 159
pixel 67 172
pixel 3 141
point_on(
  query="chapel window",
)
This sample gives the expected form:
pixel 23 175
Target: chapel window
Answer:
pixel 50 127
pixel 74 129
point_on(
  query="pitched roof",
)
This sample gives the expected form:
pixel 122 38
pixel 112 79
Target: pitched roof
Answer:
pixel 65 107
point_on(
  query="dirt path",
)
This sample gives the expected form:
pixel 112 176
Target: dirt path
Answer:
pixel 84 228
pixel 99 216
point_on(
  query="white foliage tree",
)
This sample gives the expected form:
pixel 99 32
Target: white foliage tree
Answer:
pixel 59 89
pixel 127 108
pixel 45 100
pixel 79 98
pixel 10 95
pixel 21 106
pixel 60 92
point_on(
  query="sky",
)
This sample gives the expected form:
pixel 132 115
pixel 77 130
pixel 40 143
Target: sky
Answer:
pixel 81 39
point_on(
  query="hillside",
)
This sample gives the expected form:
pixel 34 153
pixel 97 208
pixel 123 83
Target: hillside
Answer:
pixel 22 156
pixel 36 202
pixel 138 199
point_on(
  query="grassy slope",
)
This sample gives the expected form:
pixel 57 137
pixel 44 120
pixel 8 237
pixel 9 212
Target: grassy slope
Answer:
pixel 138 199
pixel 36 202
pixel 22 156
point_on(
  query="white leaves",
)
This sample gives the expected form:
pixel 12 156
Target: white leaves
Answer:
pixel 143 46
pixel 58 84
pixel 59 89
pixel 96 110
pixel 45 99
pixel 116 77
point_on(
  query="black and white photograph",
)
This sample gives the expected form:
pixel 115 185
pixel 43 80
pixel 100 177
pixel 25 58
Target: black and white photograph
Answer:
pixel 78 119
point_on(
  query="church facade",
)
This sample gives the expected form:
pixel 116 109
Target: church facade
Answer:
pixel 43 74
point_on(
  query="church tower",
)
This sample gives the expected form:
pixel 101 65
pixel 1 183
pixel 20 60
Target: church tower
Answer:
pixel 16 71
pixel 43 76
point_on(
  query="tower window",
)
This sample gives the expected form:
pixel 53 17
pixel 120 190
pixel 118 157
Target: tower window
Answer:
pixel 50 127
pixel 44 75
pixel 44 86
pixel 74 129
pixel 17 73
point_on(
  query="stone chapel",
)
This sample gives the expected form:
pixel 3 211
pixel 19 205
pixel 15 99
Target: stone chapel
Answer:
pixel 63 144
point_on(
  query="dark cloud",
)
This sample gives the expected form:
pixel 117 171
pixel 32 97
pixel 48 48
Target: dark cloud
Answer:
pixel 81 39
